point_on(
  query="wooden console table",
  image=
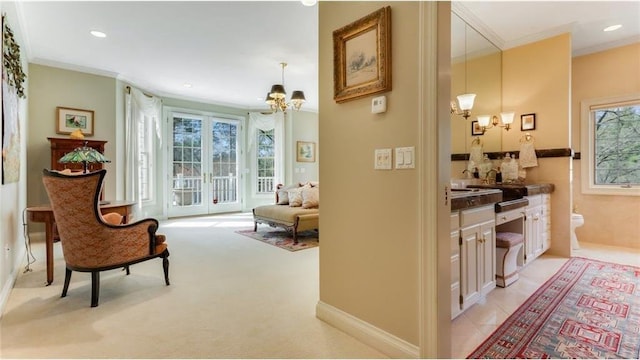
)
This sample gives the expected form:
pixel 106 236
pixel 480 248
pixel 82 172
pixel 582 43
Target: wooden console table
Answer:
pixel 44 214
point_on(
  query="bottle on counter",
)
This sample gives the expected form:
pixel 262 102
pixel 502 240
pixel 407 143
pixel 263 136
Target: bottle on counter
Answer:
pixel 509 169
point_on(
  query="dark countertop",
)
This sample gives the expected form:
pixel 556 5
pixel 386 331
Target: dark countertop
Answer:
pixel 468 198
pixel 517 191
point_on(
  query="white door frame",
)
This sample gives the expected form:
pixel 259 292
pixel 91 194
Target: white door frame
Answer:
pixel 207 205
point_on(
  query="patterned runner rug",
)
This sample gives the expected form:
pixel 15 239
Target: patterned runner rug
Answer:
pixel 589 309
pixel 283 239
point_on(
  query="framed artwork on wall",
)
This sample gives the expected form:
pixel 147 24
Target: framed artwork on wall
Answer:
pixel 305 151
pixel 362 57
pixel 476 129
pixel 527 122
pixel 70 120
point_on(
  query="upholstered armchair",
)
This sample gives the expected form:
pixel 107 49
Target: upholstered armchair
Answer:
pixel 89 242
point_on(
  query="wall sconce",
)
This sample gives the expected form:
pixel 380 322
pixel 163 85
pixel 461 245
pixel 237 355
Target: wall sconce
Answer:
pixel 487 122
pixel 465 102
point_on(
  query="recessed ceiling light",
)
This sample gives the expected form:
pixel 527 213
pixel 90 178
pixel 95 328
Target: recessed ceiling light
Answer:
pixel 612 28
pixel 98 34
pixel 187 85
pixel 308 2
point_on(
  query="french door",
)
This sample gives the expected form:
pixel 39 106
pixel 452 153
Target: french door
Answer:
pixel 204 163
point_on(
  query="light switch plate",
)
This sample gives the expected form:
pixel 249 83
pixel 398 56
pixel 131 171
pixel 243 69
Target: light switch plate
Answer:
pixel 382 159
pixel 405 157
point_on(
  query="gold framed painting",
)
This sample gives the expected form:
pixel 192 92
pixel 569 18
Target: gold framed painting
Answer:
pixel 362 57
pixel 70 120
pixel 305 151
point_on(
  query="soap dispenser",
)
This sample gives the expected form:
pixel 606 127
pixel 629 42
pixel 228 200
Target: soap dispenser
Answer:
pixel 486 166
pixel 509 174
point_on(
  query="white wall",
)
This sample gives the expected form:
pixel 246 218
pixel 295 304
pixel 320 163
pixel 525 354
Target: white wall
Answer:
pixel 304 127
pixel 13 196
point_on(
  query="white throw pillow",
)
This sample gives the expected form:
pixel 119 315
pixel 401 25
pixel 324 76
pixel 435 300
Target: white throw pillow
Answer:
pixel 283 194
pixel 310 197
pixel 283 197
pixel 295 196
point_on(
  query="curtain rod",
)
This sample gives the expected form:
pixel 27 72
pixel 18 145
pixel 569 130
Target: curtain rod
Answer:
pixel 143 93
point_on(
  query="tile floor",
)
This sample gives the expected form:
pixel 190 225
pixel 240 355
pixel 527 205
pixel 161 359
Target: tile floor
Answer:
pixel 470 328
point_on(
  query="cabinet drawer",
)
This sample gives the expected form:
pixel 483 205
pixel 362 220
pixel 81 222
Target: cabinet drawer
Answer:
pixel 455 220
pixel 507 216
pixel 476 215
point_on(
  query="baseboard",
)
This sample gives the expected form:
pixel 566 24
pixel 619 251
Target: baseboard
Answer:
pixel 379 339
pixel 6 291
pixel 11 281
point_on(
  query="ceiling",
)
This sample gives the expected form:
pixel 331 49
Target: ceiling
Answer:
pixel 230 51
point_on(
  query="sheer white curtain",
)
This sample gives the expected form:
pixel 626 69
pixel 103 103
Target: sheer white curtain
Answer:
pixel 140 111
pixel 267 122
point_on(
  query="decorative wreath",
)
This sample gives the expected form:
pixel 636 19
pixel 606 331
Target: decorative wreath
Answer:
pixel 11 59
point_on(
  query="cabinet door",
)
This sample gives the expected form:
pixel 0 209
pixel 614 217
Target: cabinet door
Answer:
pixel 487 257
pixel 536 232
pixel 470 289
pixel 456 307
pixel 545 227
pixel 529 236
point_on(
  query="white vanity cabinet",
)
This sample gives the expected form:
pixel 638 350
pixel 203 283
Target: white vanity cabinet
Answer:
pixel 456 309
pixel 537 238
pixel 476 256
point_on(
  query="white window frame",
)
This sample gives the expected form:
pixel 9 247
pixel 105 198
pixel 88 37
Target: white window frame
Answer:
pixel 266 121
pixel 587 145
pixel 257 169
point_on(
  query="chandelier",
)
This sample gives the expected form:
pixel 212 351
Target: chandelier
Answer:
pixel 276 97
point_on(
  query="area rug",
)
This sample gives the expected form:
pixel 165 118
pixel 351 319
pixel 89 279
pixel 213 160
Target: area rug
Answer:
pixel 588 310
pixel 283 239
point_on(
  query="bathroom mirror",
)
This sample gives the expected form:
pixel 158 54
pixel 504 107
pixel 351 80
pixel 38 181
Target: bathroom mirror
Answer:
pixel 476 67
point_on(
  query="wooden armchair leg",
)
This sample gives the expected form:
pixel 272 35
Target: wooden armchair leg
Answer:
pixel 95 288
pixel 165 266
pixel 67 280
pixel 127 269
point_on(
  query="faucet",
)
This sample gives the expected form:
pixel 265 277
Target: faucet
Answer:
pixel 466 171
pixel 487 179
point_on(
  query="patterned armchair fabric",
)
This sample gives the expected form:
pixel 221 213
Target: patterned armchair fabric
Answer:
pixel 90 243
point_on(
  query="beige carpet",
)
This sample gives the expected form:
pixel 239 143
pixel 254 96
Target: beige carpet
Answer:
pixel 230 297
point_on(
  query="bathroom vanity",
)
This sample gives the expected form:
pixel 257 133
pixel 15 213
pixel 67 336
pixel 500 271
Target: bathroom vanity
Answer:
pixel 477 213
pixel 537 215
pixel 473 239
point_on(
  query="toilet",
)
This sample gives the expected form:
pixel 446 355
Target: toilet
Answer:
pixel 576 221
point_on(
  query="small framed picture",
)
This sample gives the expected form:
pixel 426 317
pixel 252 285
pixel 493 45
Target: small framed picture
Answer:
pixel 70 120
pixel 476 129
pixel 527 122
pixel 305 151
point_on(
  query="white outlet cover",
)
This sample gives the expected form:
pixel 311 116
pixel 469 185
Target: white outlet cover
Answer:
pixel 382 159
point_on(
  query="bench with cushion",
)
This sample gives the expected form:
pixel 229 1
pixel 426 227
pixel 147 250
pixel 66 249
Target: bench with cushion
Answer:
pixel 296 209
